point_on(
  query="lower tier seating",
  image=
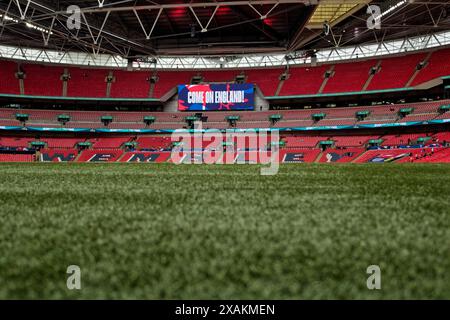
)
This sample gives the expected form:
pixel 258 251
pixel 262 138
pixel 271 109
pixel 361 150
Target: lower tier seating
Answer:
pixel 17 157
pixel 302 147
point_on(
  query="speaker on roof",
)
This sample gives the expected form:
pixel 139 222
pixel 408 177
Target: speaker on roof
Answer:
pixel 421 65
pixel 153 79
pixel 20 75
pixel 197 79
pixel 109 78
pixel 284 76
pixel 240 79
pixel 65 77
pixel 373 70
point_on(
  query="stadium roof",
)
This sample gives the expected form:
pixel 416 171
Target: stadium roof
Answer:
pixel 144 28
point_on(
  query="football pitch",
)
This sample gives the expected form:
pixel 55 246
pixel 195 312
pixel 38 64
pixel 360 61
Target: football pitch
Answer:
pixel 162 231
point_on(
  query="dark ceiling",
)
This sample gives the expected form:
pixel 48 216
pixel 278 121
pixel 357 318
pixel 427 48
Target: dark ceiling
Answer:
pixel 234 27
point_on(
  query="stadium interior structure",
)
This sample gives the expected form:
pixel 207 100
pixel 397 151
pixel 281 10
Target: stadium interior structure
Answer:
pixel 335 90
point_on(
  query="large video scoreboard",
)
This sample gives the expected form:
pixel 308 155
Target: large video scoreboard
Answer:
pixel 213 97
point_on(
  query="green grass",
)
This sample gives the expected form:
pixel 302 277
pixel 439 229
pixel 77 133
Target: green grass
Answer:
pixel 150 231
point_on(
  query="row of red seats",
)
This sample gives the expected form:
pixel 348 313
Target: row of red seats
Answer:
pixel 61 143
pixel 393 72
pixel 16 157
pixel 164 142
pixel 391 155
pixel 362 140
pixel 438 156
pixel 172 120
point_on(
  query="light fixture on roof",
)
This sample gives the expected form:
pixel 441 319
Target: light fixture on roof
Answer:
pixel 394 7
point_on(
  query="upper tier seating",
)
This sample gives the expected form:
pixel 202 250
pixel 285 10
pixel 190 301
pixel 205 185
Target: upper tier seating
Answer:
pixel 130 84
pixel 394 72
pixel 8 82
pixel 87 83
pixel 43 80
pixel 266 79
pixel 349 77
pixel 168 80
pixel 219 76
pixel 437 66
pixel 303 80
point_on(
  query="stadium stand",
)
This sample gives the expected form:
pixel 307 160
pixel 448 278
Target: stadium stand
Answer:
pixel 100 155
pixel 395 72
pixel 37 75
pixel 383 155
pixel 173 120
pixel 109 143
pixel 341 155
pixel 128 84
pixel 58 155
pixel 352 141
pixel 227 76
pixel 266 79
pixel 436 156
pixel 61 143
pixel 16 157
pixel 438 65
pixel 168 80
pixel 9 84
pixel 349 77
pixel 392 73
pixel 303 80
pixel 299 155
pixel 156 157
pixel 153 143
pixel 414 147
pixel 87 83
